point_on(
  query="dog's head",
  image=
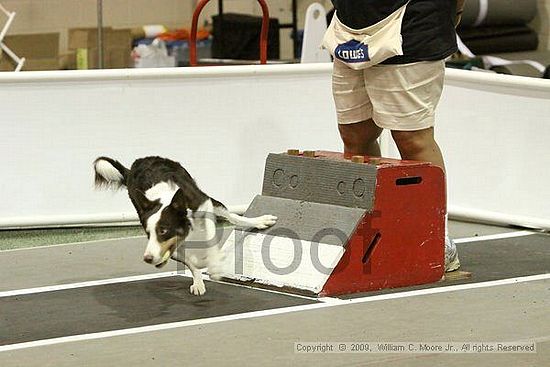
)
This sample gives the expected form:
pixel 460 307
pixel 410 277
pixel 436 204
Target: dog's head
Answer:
pixel 166 226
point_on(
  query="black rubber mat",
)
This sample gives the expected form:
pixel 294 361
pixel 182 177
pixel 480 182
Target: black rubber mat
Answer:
pixel 493 260
pixel 125 305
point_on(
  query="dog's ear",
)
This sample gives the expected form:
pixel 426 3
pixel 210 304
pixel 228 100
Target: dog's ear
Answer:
pixel 141 201
pixel 179 202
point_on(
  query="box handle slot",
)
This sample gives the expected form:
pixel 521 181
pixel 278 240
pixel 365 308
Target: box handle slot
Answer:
pixel 371 247
pixel 405 181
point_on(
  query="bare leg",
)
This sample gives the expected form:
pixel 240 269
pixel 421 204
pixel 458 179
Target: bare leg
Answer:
pixel 361 138
pixel 419 145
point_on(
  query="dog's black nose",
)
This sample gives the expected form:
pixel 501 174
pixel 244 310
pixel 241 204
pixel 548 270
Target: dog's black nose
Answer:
pixel 148 259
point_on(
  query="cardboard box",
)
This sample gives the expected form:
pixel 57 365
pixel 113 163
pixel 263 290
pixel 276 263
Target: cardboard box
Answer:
pixel 83 38
pixel 41 51
pixel 117 48
pixel 87 38
pixel 113 58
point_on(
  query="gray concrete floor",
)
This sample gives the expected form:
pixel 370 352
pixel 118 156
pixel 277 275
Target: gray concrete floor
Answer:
pixel 506 313
pixel 517 312
pixel 459 229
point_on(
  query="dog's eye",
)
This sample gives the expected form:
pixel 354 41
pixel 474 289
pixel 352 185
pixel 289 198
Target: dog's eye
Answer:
pixel 163 231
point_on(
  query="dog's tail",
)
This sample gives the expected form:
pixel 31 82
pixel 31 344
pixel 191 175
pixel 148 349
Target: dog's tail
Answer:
pixel 109 173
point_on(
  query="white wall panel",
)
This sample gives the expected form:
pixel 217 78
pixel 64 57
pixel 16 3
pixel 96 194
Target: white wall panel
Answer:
pixel 496 135
pixel 221 122
pixel 494 132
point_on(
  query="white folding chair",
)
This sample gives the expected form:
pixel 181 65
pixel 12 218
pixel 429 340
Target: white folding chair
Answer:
pixel 19 61
pixel 314 30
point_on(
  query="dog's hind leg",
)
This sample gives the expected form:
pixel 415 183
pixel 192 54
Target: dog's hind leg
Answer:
pixel 214 254
pixel 261 222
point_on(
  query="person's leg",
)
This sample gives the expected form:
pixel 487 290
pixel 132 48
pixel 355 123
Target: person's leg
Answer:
pixel 404 99
pixel 360 138
pixel 358 131
pixel 419 145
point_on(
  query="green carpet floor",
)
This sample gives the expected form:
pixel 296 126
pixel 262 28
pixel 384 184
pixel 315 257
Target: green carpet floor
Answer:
pixel 24 238
pixel 13 239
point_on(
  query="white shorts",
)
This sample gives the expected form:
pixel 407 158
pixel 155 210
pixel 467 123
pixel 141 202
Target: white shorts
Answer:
pixel 397 97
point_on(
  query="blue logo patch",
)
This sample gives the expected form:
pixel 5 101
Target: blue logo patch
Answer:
pixel 352 51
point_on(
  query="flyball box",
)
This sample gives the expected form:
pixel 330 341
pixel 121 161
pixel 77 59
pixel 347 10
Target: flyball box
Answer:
pixel 344 226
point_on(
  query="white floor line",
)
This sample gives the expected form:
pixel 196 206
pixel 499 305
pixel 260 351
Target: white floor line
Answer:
pixel 71 243
pixel 91 283
pixel 263 313
pixel 133 278
pixel 497 236
pixel 330 300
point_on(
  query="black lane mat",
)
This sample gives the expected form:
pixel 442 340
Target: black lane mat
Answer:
pixel 125 305
pixel 492 260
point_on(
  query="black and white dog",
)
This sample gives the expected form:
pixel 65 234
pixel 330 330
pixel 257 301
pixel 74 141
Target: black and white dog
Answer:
pixel 172 209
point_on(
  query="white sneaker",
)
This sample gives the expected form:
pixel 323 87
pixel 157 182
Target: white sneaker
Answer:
pixel 452 262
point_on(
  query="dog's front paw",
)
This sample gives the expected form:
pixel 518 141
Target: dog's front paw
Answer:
pixel 197 289
pixel 265 221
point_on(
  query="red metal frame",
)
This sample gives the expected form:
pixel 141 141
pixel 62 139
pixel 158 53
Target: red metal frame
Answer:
pixel 263 35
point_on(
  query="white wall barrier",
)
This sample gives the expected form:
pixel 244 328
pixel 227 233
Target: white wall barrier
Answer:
pixel 221 122
pixel 494 131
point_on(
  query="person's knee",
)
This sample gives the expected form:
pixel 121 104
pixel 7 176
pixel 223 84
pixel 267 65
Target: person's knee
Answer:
pixel 360 134
pixel 355 138
pixel 412 142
